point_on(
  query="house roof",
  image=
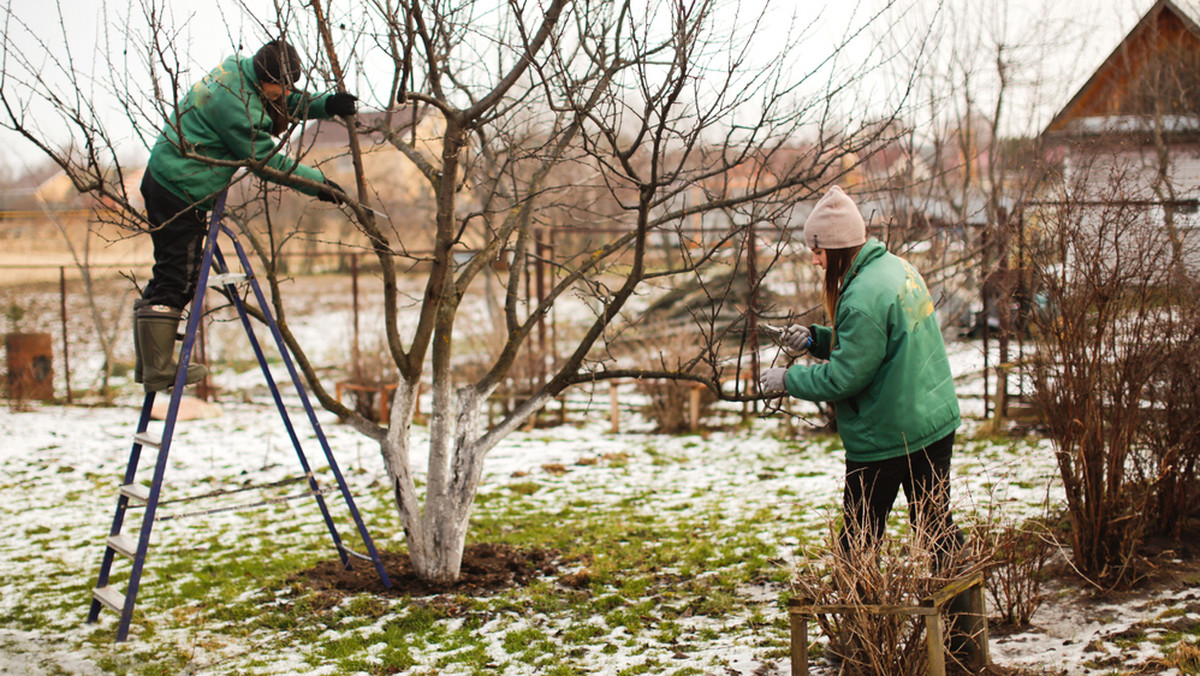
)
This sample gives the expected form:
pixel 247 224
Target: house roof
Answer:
pixel 1168 26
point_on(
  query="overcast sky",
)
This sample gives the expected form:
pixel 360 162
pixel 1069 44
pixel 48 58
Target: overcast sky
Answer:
pixel 1089 30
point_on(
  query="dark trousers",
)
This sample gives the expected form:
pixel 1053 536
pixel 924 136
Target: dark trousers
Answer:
pixel 178 236
pixel 871 488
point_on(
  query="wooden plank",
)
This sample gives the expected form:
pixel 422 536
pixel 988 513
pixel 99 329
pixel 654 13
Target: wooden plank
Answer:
pixel 852 608
pixel 614 414
pixel 979 605
pixel 799 645
pixel 136 493
pixel 123 544
pixel 933 645
pixel 110 597
pixel 942 596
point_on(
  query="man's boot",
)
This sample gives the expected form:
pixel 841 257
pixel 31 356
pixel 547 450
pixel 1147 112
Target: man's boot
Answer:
pixel 156 326
pixel 137 350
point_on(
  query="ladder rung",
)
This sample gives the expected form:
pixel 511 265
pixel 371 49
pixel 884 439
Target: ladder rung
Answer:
pixel 226 278
pixel 136 492
pixel 110 597
pixel 123 544
pixel 148 439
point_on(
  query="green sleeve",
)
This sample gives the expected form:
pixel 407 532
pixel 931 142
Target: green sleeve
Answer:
pixel 247 140
pixel 308 106
pixel 860 349
pixel 822 341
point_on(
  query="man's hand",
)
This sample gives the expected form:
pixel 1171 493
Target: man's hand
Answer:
pixel 332 193
pixel 797 338
pixel 341 103
pixel 770 382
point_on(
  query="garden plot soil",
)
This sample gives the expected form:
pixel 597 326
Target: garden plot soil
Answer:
pixel 486 569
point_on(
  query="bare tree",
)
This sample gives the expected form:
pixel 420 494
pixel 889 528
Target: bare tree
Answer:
pixel 978 159
pixel 574 141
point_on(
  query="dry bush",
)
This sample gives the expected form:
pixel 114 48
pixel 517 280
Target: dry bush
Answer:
pixel 668 404
pixel 897 571
pixel 1114 302
pixel 1017 557
pixel 374 368
pixel 1173 431
pixel 1185 657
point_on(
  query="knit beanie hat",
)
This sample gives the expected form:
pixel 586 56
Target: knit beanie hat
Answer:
pixel 835 223
pixel 277 62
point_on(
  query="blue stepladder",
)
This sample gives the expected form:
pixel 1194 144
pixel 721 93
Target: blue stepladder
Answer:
pixel 132 493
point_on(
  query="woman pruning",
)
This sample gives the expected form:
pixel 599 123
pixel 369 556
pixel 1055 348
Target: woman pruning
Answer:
pixel 886 372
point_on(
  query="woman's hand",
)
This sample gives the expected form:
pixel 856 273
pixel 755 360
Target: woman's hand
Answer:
pixel 797 338
pixel 770 382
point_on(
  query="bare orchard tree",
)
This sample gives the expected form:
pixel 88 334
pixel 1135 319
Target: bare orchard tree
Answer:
pixel 616 128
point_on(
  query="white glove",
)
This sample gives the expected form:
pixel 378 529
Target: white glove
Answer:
pixel 796 338
pixel 770 382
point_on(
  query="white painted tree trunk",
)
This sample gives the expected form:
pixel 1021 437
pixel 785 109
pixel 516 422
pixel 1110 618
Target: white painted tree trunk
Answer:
pixel 436 529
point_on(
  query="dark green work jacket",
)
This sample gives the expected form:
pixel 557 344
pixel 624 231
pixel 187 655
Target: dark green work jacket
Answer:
pixel 887 368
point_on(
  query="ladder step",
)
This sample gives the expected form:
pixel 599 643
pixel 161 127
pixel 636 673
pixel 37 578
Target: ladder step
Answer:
pixel 148 439
pixel 123 544
pixel 136 493
pixel 225 278
pixel 110 597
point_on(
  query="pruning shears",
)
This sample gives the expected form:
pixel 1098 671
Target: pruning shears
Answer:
pixel 775 332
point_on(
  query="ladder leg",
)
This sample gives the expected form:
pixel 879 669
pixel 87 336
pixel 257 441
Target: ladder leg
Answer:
pixel 313 486
pixel 102 594
pixel 122 504
pixel 312 417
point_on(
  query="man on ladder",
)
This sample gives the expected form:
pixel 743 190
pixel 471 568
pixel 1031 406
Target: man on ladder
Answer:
pixel 230 116
pixel 225 122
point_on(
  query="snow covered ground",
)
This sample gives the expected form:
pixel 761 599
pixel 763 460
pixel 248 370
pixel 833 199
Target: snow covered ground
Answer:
pixel 60 466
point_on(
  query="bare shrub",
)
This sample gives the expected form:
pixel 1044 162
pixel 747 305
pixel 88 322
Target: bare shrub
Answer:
pixel 1017 557
pixel 668 404
pixel 878 578
pixel 1108 279
pixel 372 371
pixel 1173 431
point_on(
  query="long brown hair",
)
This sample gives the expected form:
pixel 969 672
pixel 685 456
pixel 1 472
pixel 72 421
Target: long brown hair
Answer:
pixel 837 264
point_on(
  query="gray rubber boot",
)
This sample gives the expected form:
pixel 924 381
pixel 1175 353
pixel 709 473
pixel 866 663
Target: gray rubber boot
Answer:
pixel 137 350
pixel 156 326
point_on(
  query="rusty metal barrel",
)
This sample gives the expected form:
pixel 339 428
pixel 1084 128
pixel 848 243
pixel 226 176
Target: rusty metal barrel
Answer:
pixel 30 366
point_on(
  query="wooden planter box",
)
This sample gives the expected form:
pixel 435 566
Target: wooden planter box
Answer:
pixel 972 618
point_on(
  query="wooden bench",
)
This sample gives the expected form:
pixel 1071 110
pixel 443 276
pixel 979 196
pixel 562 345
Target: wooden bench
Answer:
pixel 972 620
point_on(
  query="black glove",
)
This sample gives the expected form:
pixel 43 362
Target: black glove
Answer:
pixel 341 103
pixel 327 193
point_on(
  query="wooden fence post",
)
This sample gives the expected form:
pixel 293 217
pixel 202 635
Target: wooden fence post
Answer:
pixel 614 413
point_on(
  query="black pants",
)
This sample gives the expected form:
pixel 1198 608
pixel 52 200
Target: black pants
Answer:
pixel 871 488
pixel 178 235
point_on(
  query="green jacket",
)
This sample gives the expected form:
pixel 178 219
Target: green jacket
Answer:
pixel 887 369
pixel 223 118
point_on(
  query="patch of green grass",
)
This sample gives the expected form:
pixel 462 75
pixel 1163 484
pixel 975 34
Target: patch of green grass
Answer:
pixel 524 487
pixel 519 641
pixel 650 666
pixel 473 656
